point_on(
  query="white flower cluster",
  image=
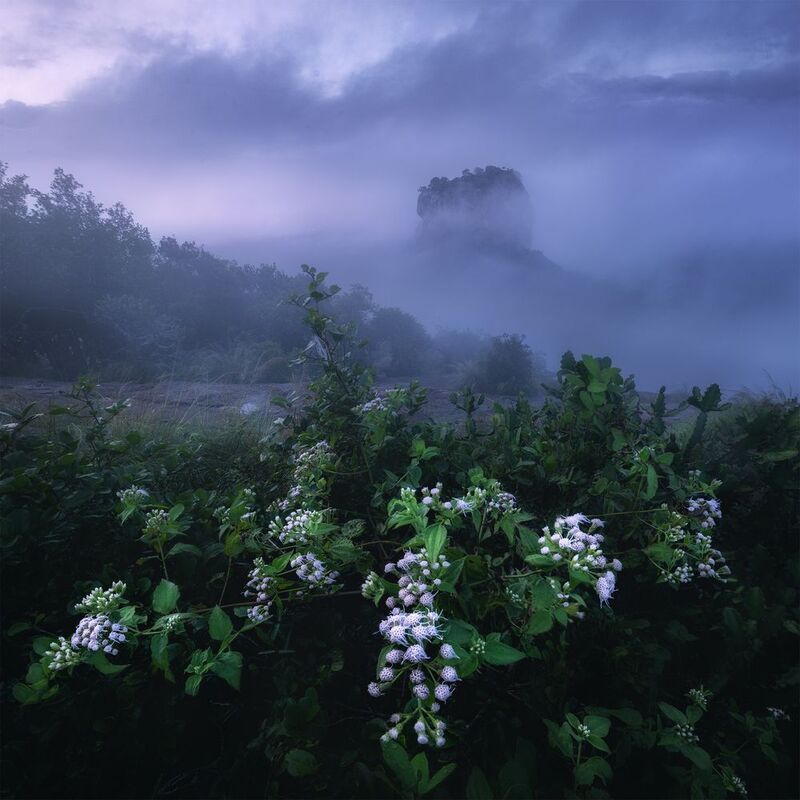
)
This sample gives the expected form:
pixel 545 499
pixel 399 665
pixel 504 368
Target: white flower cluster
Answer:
pixel 378 403
pixel 431 497
pixel 372 588
pixel 310 465
pixel 312 571
pixel 230 516
pixel 99 632
pixel 491 498
pixel 172 622
pixel 502 503
pixel 258 586
pixel 478 647
pixel 686 732
pixel 419 578
pixel 62 655
pixel 427 728
pixel 155 522
pixel 580 550
pixel 297 526
pixel 777 713
pixel 309 459
pixel 389 403
pixel 133 496
pixel 100 600
pixel 690 537
pixel 706 510
pixel 700 697
pixel 606 586
pixel 738 785
pixel 412 628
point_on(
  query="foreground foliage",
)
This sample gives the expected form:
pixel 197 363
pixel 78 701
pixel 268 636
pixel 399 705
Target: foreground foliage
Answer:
pixel 559 605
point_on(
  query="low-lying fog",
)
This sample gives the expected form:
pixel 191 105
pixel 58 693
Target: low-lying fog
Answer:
pixel 657 144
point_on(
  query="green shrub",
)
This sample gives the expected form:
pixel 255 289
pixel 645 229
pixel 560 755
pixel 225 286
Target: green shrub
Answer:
pixel 508 366
pixel 583 634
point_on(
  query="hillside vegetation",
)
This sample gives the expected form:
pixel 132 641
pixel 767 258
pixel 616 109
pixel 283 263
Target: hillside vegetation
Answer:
pixel 573 600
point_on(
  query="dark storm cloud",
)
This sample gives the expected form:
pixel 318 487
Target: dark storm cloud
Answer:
pixel 770 85
pixel 504 63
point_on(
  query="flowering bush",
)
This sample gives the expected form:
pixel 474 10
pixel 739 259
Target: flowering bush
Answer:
pixel 553 594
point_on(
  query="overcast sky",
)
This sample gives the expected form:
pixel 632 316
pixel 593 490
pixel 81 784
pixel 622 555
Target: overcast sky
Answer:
pixel 652 125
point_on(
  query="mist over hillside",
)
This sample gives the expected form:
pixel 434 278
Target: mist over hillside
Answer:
pixel 618 178
pixel 715 312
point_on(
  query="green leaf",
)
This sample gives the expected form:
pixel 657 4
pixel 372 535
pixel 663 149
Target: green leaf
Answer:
pixel 539 561
pixel 477 786
pixel 41 644
pixel 228 666
pixel 560 736
pixel 778 455
pixel 17 627
pixel 693 713
pixel 420 764
pixel 573 721
pixel 660 551
pixel 397 760
pixel 652 483
pixel 435 537
pixel 540 622
pixel 184 547
pixel 158 649
pixel 99 661
pixel 300 763
pixel 437 778
pixel 35 674
pixel 579 576
pixel 165 597
pixel 672 713
pixel 499 654
pixel 127 615
pixel 459 632
pixel 698 756
pixel 193 684
pixel 590 362
pixel 630 716
pixel 597 742
pixel 279 564
pixel 594 767
pixel 508 528
pixel 597 387
pixel 24 694
pixel 175 512
pixel 467 662
pixel 599 726
pixel 451 575
pixel 219 624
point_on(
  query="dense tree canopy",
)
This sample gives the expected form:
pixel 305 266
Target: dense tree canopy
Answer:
pixel 86 289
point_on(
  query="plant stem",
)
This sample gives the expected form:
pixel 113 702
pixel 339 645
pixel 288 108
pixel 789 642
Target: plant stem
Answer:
pixel 225 584
pixel 163 561
pixel 577 764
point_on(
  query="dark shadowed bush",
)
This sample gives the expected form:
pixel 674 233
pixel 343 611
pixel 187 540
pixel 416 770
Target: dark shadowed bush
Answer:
pixel 508 366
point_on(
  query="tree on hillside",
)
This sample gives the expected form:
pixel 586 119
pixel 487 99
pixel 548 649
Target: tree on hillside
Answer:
pixel 398 344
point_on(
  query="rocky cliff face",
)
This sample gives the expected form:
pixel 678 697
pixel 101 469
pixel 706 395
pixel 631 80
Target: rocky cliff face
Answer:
pixel 488 204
